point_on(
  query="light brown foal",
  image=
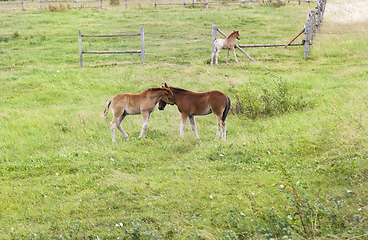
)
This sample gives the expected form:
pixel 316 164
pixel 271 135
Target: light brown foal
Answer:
pixel 132 104
pixel 228 43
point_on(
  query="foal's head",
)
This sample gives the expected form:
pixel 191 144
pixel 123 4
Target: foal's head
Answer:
pixel 161 105
pixel 167 99
pixel 234 34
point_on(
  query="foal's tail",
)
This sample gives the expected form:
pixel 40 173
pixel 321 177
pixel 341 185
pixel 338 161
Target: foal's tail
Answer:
pixel 227 108
pixel 107 108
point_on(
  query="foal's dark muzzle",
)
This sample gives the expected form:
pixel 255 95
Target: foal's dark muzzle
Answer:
pixel 160 108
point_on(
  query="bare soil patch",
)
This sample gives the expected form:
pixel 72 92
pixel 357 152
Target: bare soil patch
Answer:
pixel 346 16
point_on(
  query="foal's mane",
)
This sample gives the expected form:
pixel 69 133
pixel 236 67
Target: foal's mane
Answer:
pixel 154 89
pixel 178 89
pixel 231 34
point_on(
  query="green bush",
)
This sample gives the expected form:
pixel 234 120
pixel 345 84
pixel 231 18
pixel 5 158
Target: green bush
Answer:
pixel 272 100
pixel 115 2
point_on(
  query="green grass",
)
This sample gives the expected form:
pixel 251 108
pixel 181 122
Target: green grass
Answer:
pixel 278 176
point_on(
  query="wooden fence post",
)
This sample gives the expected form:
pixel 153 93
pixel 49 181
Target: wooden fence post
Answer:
pixel 214 35
pixel 126 4
pixel 308 40
pixel 319 11
pixel 206 3
pixel 75 4
pixel 313 20
pixel 80 48
pixel 40 4
pixel 184 3
pixel 155 5
pixel 101 4
pixel 142 44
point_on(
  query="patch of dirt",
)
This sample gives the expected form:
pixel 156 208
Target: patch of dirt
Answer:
pixel 346 12
pixel 345 17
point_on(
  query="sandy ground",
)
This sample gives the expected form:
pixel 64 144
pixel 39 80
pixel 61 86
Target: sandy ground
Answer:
pixel 346 11
pixel 344 17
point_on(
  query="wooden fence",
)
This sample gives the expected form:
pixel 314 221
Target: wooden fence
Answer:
pixel 207 3
pixel 315 18
pixel 22 5
pixel 313 25
pixel 81 52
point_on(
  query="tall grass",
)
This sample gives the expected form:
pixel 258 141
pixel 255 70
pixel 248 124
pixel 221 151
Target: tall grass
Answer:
pixel 292 174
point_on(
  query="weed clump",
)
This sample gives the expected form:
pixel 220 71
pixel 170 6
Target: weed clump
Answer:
pixel 275 99
pixel 14 36
pixel 60 8
pixel 114 2
pixel 277 3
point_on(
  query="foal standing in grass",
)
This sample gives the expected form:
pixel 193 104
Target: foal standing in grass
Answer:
pixel 192 104
pixel 132 104
pixel 228 43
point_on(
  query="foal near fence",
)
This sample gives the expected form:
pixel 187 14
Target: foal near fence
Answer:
pixel 192 104
pixel 132 104
pixel 228 43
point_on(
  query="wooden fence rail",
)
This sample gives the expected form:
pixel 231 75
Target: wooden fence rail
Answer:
pixel 23 3
pixel 81 52
pixel 207 3
pixel 184 3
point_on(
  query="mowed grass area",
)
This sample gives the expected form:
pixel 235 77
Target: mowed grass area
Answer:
pixel 302 174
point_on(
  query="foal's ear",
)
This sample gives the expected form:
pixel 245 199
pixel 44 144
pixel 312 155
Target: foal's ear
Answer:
pixel 166 86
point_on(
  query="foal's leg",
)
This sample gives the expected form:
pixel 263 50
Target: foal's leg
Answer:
pixel 227 57
pixel 118 125
pixel 234 54
pixel 112 128
pixel 194 128
pixel 218 128
pixel 213 55
pixel 116 121
pixel 145 117
pixel 221 127
pixel 217 55
pixel 182 124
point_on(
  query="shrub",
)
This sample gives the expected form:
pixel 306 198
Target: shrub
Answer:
pixel 276 99
pixel 61 8
pixel 277 3
pixel 114 2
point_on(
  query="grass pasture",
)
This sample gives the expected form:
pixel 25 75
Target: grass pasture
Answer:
pixel 295 174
